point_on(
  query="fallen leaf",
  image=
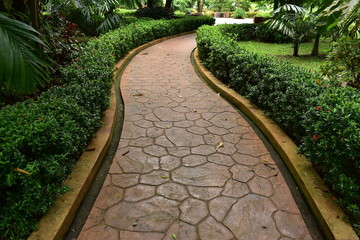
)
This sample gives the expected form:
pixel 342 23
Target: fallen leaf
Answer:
pixel 135 223
pixel 219 146
pixel 138 95
pixel 174 236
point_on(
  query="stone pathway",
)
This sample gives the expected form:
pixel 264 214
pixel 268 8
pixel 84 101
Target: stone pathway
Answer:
pixel 188 165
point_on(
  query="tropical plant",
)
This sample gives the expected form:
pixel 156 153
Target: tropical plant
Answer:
pixel 343 61
pixel 22 68
pixel 95 17
pixel 239 13
pixel 244 4
pixel 294 21
pixel 339 17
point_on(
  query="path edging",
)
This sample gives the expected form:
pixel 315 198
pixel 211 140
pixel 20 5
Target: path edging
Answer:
pixel 328 214
pixel 56 223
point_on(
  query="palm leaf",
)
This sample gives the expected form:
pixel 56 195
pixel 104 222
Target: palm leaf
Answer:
pixel 343 14
pixel 111 21
pixel 21 68
pixel 289 8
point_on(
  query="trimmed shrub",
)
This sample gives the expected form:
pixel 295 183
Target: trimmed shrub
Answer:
pixel 332 139
pixel 155 13
pixel 266 34
pixel 125 12
pixel 240 32
pixel 323 119
pixel 41 140
pixel 263 14
pixel 261 32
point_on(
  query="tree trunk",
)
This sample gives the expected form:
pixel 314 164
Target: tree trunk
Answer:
pixel 34 14
pixel 296 49
pixel 276 4
pixel 150 4
pixel 199 6
pixel 168 4
pixel 315 50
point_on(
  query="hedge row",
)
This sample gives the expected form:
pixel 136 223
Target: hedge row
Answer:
pixel 41 140
pixel 322 118
pixel 260 31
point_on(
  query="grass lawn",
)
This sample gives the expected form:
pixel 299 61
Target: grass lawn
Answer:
pixel 284 52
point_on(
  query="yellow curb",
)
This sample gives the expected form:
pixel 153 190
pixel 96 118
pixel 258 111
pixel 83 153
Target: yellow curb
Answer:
pixel 56 223
pixel 328 214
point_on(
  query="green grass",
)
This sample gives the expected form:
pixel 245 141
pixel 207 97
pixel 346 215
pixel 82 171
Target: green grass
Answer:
pixel 284 52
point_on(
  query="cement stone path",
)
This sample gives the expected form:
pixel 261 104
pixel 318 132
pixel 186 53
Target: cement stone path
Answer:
pixel 188 165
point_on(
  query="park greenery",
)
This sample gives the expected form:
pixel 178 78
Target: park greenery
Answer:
pixel 56 71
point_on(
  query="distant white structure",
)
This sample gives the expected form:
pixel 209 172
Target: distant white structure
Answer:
pixel 233 21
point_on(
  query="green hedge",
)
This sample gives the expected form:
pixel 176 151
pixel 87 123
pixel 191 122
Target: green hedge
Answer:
pixel 44 138
pixel 323 119
pixel 260 31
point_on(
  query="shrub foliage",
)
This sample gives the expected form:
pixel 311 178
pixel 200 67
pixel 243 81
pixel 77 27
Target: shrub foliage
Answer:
pixel 41 140
pixel 324 119
pixel 260 31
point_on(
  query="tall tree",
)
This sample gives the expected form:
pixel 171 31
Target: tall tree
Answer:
pixel 168 4
pixel 200 5
pixel 150 3
pixel 34 13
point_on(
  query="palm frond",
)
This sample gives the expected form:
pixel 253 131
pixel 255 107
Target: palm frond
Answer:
pixel 282 26
pixel 289 8
pixel 343 14
pixel 351 15
pixel 21 68
pixel 111 21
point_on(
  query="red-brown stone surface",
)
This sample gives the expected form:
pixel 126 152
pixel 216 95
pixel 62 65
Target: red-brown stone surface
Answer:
pixel 188 166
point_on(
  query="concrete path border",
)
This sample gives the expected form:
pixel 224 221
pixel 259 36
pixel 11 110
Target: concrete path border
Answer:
pixel 56 223
pixel 328 214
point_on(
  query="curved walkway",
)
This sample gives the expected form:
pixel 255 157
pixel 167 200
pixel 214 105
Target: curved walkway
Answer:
pixel 188 165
